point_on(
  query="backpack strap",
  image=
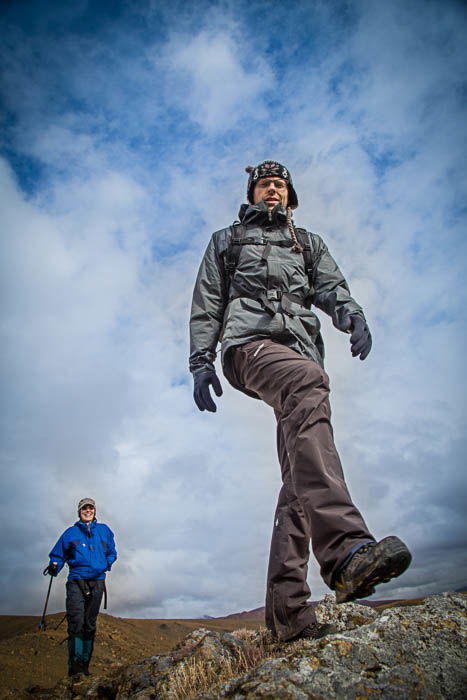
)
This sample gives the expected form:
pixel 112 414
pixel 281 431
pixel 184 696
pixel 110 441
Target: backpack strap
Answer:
pixel 232 254
pixel 307 243
pixel 84 587
pixel 311 256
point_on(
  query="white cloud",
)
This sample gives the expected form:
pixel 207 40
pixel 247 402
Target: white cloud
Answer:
pixel 216 79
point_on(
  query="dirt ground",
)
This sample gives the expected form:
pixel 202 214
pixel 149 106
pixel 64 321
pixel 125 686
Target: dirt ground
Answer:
pixel 33 657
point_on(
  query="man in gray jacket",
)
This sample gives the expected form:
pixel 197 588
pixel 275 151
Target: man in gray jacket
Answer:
pixel 254 291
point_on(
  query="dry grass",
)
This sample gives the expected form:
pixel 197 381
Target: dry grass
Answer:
pixel 196 675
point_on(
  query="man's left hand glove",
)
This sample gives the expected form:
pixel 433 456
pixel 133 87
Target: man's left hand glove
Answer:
pixel 201 393
pixel 360 338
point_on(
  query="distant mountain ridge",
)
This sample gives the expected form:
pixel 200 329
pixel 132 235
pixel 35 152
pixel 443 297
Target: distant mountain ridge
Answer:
pixel 258 613
pixel 255 614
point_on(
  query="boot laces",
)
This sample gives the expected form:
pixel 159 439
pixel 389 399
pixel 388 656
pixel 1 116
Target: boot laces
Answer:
pixel 362 551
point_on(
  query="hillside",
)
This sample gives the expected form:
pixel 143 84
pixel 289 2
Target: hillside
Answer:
pixel 29 656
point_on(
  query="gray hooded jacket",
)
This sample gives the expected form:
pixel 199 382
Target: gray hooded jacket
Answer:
pixel 268 296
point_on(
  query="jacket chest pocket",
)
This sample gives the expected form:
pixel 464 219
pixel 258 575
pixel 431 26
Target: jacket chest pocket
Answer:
pixel 83 549
pixel 275 272
pixel 285 270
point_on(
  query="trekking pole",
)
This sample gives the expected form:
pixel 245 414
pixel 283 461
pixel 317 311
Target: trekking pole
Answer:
pixel 63 618
pixel 42 623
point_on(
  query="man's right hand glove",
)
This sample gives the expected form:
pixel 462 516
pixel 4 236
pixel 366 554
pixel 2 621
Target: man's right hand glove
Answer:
pixel 52 569
pixel 202 394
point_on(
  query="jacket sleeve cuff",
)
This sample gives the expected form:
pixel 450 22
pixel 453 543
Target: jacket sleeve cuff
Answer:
pixel 341 313
pixel 200 370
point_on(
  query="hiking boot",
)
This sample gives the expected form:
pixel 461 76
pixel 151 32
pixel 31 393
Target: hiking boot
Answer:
pixel 76 667
pixel 374 563
pixel 314 630
pixel 74 670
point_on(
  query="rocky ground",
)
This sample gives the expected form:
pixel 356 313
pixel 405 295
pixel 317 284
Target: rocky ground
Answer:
pixel 399 652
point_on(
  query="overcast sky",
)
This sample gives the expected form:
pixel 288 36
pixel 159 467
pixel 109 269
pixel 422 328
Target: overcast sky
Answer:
pixel 125 132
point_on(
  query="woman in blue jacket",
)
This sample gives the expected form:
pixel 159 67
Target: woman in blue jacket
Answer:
pixel 88 548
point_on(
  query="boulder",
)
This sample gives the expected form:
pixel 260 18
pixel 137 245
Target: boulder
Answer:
pixel 406 652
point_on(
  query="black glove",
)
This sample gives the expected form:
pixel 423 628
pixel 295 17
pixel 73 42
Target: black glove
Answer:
pixel 202 394
pixel 52 569
pixel 360 338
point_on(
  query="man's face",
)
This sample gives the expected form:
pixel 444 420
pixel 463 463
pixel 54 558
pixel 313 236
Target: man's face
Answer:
pixel 86 514
pixel 272 191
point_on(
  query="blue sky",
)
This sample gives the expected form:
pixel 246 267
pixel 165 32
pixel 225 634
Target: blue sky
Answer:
pixel 126 129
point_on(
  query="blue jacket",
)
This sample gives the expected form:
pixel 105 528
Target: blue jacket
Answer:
pixel 89 550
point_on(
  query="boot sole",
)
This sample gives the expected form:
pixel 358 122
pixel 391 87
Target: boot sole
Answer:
pixel 392 562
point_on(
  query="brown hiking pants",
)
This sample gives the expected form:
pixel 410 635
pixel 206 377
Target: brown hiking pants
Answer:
pixel 314 502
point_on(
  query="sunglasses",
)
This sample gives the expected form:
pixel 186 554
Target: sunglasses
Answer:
pixel 88 508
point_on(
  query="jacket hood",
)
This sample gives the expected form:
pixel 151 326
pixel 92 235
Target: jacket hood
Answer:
pixel 259 214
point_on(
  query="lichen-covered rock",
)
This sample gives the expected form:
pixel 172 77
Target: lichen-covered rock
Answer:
pixel 212 647
pixel 407 652
pixel 344 617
